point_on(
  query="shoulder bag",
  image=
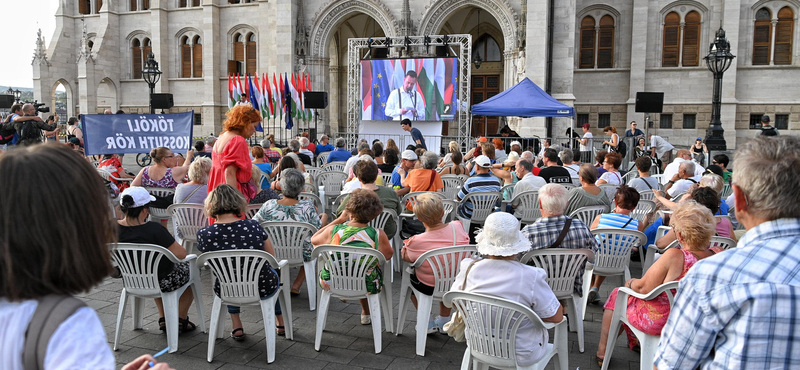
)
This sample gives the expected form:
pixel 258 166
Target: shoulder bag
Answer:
pixel 455 328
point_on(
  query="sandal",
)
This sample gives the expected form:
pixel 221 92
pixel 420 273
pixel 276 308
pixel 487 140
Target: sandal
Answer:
pixel 280 330
pixel 185 325
pixel 599 361
pixel 162 324
pixel 239 337
pixel 294 292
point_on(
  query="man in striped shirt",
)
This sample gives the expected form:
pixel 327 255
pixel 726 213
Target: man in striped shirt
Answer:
pixel 739 309
pixel 482 181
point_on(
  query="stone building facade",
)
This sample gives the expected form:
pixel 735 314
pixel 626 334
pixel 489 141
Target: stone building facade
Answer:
pixel 591 54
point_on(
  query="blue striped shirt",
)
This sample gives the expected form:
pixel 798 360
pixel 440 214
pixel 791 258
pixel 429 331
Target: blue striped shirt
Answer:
pixel 743 304
pixel 474 184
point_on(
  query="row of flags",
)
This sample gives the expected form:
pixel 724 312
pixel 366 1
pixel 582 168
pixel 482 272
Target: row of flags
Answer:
pixel 282 98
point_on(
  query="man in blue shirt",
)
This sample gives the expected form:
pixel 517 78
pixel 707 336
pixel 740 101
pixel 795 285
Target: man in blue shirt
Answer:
pixel 633 132
pixel 323 146
pixel 407 163
pixel 340 154
pixel 416 134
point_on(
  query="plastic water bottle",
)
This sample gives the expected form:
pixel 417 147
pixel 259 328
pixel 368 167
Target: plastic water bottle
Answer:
pixel 322 197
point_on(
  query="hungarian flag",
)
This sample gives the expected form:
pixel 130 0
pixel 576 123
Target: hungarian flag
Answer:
pixel 231 99
pixel 268 103
pixel 276 99
pixel 425 86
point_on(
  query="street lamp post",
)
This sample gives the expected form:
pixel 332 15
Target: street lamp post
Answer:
pixel 718 61
pixel 151 75
pixel 17 95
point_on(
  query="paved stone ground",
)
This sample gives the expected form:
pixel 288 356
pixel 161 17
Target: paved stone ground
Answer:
pixel 345 344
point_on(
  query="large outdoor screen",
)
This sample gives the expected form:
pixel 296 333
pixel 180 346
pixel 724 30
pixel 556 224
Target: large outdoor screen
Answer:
pixel 418 89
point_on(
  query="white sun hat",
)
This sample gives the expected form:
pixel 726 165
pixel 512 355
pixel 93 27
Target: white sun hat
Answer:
pixel 501 236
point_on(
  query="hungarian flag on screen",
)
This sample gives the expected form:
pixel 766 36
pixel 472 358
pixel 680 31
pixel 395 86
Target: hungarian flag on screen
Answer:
pixel 381 73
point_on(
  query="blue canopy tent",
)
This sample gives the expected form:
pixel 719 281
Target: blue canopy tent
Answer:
pixel 524 99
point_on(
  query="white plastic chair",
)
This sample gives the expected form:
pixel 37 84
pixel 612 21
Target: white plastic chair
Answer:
pixel 138 264
pixel 252 209
pixel 649 257
pixel 237 272
pixel 722 242
pixel 321 158
pixel 611 190
pixel 337 166
pixel 332 181
pixel 287 239
pixel 613 257
pixel 313 171
pixel 314 199
pixel 630 176
pixel 643 208
pixel 379 223
pixel 449 208
pixel 108 176
pixel 187 220
pixel 452 185
pixel 647 343
pixel 463 177
pixel 348 267
pixel 528 209
pixel 444 263
pixel 310 189
pixel 160 213
pixel 483 203
pixel 588 214
pixel 562 267
pixel 411 198
pixel 646 195
pixel 727 190
pixel 387 179
pixel 507 191
pixel 491 332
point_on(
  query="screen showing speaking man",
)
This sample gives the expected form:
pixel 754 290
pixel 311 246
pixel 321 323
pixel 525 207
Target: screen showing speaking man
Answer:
pixel 405 102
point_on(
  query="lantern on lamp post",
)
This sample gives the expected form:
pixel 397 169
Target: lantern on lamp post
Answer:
pixel 718 61
pixel 151 75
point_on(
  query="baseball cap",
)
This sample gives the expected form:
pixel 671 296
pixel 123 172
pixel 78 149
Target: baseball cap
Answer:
pixel 75 141
pixel 139 194
pixel 699 139
pixel 765 118
pixel 483 161
pixel 516 143
pixel 482 139
pixel 409 155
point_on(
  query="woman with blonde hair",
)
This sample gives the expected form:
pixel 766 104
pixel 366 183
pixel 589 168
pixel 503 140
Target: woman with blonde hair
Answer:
pixel 694 226
pixel 272 144
pixel 391 144
pixel 196 189
pixel 231 155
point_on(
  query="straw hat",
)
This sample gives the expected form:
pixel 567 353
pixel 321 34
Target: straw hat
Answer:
pixel 501 236
pixel 512 159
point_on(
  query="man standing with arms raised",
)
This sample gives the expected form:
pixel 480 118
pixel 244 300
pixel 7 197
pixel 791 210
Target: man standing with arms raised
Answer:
pixel 405 101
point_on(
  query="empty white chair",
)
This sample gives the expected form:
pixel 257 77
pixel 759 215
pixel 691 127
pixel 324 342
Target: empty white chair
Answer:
pixel 348 267
pixel 444 263
pixel 452 185
pixel 647 343
pixel 643 208
pixel 334 166
pixel 252 209
pixel 527 210
pixel 562 267
pixel 237 272
pixel 138 264
pixel 646 195
pixel 613 256
pixel 160 213
pixel 322 158
pixel 491 332
pixel 187 220
pixel 588 214
pixel 722 242
pixel 483 203
pixel 287 239
pixel 332 182
pixel 314 198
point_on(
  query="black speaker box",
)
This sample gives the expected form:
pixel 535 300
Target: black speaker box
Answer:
pixel 161 101
pixel 6 101
pixel 380 53
pixel 649 102
pixel 442 51
pixel 316 99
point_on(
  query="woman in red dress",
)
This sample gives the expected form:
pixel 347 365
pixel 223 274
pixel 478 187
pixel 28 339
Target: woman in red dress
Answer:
pixel 231 159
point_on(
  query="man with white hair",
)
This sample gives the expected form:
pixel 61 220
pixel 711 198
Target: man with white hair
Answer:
pixel 681 181
pixel 304 147
pixel 566 156
pixel 682 155
pixel 737 310
pixel 294 147
pixel 555 230
pixel 527 180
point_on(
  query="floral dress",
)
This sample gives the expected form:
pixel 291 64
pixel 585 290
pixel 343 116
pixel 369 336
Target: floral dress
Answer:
pixel 303 211
pixel 166 182
pixel 364 237
pixel 114 167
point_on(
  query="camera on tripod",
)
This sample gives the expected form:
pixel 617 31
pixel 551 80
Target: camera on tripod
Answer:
pixel 40 107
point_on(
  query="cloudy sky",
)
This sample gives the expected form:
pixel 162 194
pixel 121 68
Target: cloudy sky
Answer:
pixel 21 20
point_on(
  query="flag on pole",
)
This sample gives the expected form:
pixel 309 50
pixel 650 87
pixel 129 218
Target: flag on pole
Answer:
pixel 308 88
pixel 231 100
pixel 254 99
pixel 276 98
pixel 288 102
pixel 295 98
pixel 267 95
pixel 239 90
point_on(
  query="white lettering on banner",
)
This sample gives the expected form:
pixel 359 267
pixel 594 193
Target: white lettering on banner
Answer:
pixel 151 125
pixel 142 141
pixel 146 142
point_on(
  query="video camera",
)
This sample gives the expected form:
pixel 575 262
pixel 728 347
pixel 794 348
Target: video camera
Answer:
pixel 40 107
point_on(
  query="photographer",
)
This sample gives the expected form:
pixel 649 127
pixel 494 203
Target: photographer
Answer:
pixel 29 126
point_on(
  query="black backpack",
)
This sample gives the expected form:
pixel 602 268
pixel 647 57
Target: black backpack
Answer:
pixel 769 131
pixel 29 131
pixel 622 148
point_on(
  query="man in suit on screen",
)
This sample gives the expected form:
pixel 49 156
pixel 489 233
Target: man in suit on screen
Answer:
pixel 405 101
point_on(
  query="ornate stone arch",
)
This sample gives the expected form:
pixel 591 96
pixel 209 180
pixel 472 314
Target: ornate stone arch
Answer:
pixel 188 31
pixel 501 10
pixel 334 11
pixel 70 95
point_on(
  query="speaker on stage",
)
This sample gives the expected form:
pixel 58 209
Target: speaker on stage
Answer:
pixel 6 101
pixel 161 101
pixel 649 102
pixel 316 99
pixel 380 53
pixel 442 51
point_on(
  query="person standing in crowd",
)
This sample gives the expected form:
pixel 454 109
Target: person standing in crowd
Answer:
pixel 612 146
pixel 71 258
pixel 29 126
pixel 340 154
pixel 200 150
pixel 736 310
pixel 407 163
pixel 644 182
pixel 633 131
pixel 416 134
pixel 324 145
pixel 552 172
pixel 52 135
pixel 661 149
pixel 231 157
pixel 766 129
pixel 73 130
pixel 586 144
pixel 405 102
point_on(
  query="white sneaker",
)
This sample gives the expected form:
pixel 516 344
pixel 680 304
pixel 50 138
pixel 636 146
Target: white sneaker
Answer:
pixel 433 327
pixel 366 320
pixel 440 321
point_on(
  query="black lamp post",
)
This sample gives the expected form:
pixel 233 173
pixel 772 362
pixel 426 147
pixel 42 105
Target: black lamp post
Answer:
pixel 17 95
pixel 718 61
pixel 477 60
pixel 151 75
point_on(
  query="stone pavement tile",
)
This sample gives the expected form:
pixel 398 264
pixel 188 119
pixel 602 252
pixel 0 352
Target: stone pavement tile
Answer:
pixel 408 364
pixel 305 350
pixel 336 355
pixel 445 356
pixel 238 355
pixel 335 366
pixel 331 339
pixel 287 362
pixel 372 361
pixel 400 349
pixel 236 367
pixel 181 361
pixel 367 344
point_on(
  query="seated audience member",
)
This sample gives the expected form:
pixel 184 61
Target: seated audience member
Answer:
pixel 477 150
pixel 694 226
pixel 644 182
pixel 377 150
pixel 725 302
pixel 351 229
pixel 551 172
pixel 407 163
pixel 113 165
pixel 566 158
pixel 527 180
pixel 499 151
pixel 488 151
pixel 706 197
pixel 227 206
pixel 263 195
pixel 457 168
pixel 682 155
pixel 135 228
pixel 681 181
pixel 290 208
pixel 200 150
pixel 164 172
pixel 625 202
pixel 715 182
pixel 340 154
pixel 367 173
pixel 305 148
pixel 288 161
pixel 588 194
pixel 722 161
pixel 263 164
pixel 390 160
pixel 482 181
pixel 501 242
pixel 270 154
pixel 447 161
pixel 196 189
pixel 294 147
pixel 363 148
pixel 599 158
pixel 71 258
pixel 323 146
pixel 611 165
pixel 425 178
pixel 545 231
pixel 428 209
